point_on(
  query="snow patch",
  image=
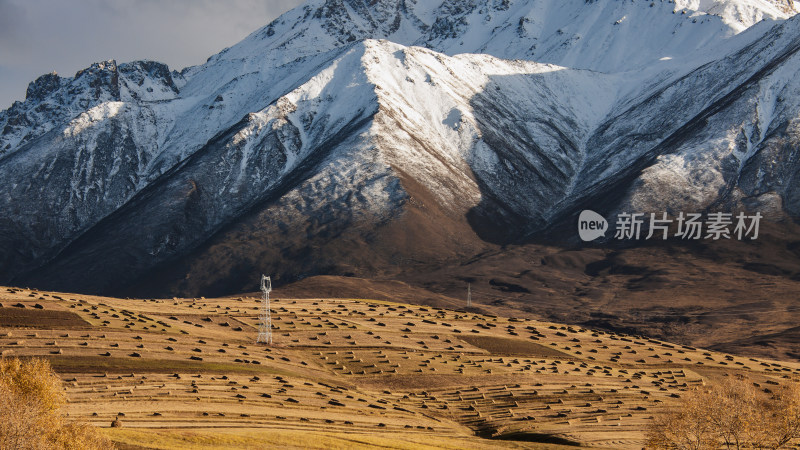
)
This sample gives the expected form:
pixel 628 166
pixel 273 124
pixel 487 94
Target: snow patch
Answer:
pixel 92 117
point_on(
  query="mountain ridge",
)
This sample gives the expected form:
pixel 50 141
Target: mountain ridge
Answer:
pixel 308 137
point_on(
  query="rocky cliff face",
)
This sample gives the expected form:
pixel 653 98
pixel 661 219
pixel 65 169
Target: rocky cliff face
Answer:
pixel 367 138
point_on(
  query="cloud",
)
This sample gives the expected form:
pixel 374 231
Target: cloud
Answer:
pixel 39 36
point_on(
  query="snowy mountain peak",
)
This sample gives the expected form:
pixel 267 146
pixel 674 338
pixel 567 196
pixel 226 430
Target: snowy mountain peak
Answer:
pixel 348 124
pixel 51 100
pixel 607 36
pixel 42 86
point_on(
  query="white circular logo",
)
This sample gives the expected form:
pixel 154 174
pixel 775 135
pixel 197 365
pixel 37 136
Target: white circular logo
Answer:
pixel 591 225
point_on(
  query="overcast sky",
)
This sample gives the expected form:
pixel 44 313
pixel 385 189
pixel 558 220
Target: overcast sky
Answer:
pixel 41 36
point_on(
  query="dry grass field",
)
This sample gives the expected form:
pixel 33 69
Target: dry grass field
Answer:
pixel 350 373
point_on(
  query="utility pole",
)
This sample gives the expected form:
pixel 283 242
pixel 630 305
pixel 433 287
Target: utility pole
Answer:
pixel 265 318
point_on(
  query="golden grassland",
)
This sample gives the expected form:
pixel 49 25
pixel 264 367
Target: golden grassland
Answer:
pixel 344 373
pixel 246 438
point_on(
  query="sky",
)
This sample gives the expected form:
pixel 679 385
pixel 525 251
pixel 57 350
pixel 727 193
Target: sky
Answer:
pixel 42 36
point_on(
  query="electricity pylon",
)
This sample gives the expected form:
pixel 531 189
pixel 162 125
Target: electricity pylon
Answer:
pixel 265 318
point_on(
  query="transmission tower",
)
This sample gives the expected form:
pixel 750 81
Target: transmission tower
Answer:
pixel 265 318
pixel 469 295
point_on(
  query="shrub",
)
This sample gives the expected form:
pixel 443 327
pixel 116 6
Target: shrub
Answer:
pixel 31 399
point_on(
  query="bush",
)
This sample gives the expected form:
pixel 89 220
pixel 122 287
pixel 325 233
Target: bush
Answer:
pixel 31 399
pixel 731 414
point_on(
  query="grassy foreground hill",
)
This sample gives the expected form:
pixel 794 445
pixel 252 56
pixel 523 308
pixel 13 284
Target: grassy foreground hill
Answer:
pixel 349 373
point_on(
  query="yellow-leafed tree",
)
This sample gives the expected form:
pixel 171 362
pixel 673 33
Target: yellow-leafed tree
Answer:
pixel 732 414
pixel 31 398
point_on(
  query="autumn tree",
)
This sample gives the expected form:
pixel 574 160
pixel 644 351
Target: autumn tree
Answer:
pixel 31 398
pixel 734 413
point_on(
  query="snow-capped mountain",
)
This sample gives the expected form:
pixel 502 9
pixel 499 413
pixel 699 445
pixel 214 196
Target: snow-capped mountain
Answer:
pixel 358 137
